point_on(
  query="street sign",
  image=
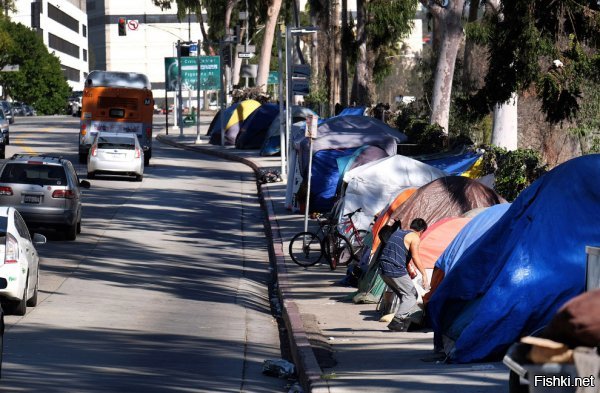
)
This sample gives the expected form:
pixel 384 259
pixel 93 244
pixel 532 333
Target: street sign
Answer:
pixel 133 24
pixel 246 48
pixel 301 70
pixel 300 86
pixel 245 55
pixel 273 78
pixel 193 49
pixel 210 73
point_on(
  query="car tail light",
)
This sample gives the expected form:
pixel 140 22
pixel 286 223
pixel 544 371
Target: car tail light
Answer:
pixel 11 255
pixel 83 129
pixel 149 132
pixel 94 150
pixel 137 152
pixel 67 194
pixel 6 191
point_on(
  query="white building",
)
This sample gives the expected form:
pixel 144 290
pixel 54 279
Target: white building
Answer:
pixel 63 26
pixel 151 35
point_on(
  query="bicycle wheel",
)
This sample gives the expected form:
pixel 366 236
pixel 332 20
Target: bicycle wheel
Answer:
pixel 305 249
pixel 339 250
pixel 357 241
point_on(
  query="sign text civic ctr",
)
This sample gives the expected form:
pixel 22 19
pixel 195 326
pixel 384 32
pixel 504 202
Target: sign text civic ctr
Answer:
pixel 210 73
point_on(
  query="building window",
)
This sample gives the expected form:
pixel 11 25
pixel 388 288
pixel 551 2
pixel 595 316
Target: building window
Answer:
pixel 71 73
pixel 63 18
pixel 84 30
pixel 84 55
pixel 63 46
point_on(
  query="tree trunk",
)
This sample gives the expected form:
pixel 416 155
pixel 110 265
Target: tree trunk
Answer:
pixel 267 45
pixel 360 88
pixel 468 63
pixel 450 18
pixel 237 62
pixel 344 65
pixel 208 49
pixel 334 56
pixel 504 132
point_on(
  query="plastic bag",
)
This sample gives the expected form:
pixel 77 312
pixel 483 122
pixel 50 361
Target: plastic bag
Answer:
pixel 278 368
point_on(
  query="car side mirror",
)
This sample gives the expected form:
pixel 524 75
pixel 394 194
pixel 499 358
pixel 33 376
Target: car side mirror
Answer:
pixel 38 238
pixel 84 184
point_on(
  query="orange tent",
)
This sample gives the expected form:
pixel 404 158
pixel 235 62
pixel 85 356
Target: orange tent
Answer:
pixel 383 218
pixel 437 237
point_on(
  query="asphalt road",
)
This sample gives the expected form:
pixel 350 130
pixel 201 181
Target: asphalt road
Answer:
pixel 165 290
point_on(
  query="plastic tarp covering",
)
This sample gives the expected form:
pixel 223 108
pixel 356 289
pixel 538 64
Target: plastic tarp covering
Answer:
pixel 215 124
pixel 254 130
pixel 353 111
pixel 437 237
pixel 449 196
pixel 324 178
pixel 533 260
pixel 233 122
pixel 470 234
pixel 456 164
pixel 347 132
pixel 272 144
pixel 374 185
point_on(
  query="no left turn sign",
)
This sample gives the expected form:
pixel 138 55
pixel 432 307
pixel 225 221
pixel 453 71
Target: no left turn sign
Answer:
pixel 133 24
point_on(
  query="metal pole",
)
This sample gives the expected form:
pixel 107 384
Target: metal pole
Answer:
pixel 310 151
pixel 198 89
pixel 179 93
pixel 288 77
pixel 166 107
pixel 223 98
pixel 247 34
pixel 282 141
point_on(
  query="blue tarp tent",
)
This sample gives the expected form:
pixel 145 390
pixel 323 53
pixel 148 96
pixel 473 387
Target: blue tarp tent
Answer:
pixel 272 143
pixel 513 280
pixel 254 130
pixel 353 111
pixel 215 124
pixel 456 164
pixel 469 235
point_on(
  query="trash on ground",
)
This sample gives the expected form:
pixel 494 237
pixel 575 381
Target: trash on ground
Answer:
pixel 278 368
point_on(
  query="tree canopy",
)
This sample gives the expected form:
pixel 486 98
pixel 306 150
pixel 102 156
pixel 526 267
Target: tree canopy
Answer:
pixel 39 81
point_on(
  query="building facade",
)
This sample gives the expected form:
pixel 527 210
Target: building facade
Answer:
pixel 151 35
pixel 63 26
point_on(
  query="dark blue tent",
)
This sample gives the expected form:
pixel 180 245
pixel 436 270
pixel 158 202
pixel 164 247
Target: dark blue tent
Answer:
pixel 215 124
pixel 254 130
pixel 514 278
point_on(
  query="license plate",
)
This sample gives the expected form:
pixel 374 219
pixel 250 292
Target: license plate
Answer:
pixel 32 199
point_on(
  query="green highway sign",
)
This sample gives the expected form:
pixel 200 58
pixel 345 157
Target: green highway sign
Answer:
pixel 210 73
pixel 273 78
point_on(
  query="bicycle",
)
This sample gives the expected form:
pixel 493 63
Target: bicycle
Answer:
pixel 308 248
pixel 356 236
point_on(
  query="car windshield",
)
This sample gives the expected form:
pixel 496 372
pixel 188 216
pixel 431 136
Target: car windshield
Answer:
pixel 46 175
pixel 116 142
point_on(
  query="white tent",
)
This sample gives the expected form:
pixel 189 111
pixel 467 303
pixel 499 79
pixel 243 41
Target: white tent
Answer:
pixel 372 186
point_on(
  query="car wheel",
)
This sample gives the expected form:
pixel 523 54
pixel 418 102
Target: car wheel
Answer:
pixel 79 227
pixel 71 232
pixel 82 158
pixel 139 177
pixel 20 307
pixel 91 175
pixel 3 154
pixel 146 160
pixel 32 302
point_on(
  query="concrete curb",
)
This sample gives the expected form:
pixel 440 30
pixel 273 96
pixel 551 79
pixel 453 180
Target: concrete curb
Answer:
pixel 308 370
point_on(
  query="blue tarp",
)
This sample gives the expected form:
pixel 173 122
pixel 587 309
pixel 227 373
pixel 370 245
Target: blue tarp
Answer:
pixel 325 177
pixel 254 130
pixel 469 235
pixel 353 111
pixel 455 165
pixel 527 265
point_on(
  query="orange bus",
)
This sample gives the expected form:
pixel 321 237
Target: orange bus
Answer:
pixel 116 102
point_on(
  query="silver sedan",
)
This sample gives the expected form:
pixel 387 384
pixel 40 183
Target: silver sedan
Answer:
pixel 116 154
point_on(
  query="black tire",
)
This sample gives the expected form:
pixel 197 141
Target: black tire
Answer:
pixel 91 175
pixel 339 250
pixel 3 154
pixel 34 299
pixel 71 232
pixel 82 158
pixel 306 249
pixel 20 306
pixel 79 227
pixel 139 177
pixel 358 246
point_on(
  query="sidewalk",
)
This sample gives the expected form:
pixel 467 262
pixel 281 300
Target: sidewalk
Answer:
pixel 356 352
